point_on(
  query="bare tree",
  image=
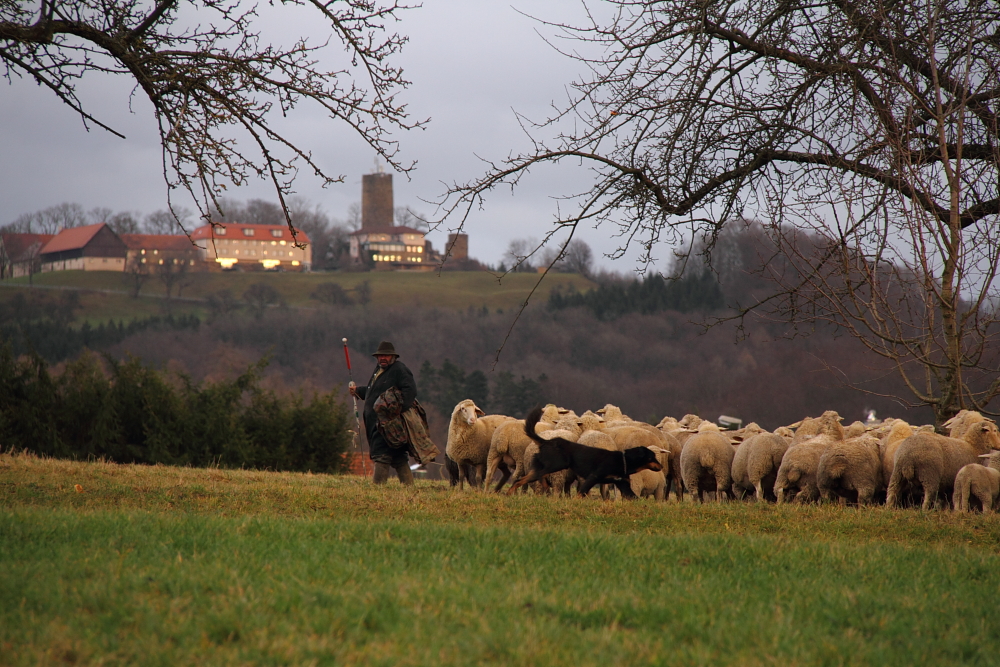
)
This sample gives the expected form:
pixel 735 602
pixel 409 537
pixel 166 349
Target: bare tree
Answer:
pixel 864 136
pixel 166 221
pixel 173 273
pixel 135 276
pixel 208 73
pixel 50 220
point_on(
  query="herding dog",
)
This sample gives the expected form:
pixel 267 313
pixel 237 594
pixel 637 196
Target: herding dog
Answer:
pixel 590 464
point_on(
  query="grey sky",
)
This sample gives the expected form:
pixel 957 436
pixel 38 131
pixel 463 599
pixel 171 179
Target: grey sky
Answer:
pixel 471 64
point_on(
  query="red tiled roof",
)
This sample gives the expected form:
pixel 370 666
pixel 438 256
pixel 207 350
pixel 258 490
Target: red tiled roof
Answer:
pixel 73 238
pixel 157 241
pixel 390 230
pixel 234 230
pixel 18 246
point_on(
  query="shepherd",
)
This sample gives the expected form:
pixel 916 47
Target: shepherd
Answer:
pixel 395 423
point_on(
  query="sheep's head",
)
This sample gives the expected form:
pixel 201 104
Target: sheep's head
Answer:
pixel 993 459
pixel 690 422
pixel 611 412
pixel 900 431
pixel 784 432
pixel 591 422
pixel 984 434
pixel 707 426
pixel 467 411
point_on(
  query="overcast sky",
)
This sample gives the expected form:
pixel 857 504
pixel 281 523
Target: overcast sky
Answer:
pixel 472 64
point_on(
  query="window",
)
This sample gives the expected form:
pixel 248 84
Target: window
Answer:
pixel 247 231
pixel 220 231
pixel 277 233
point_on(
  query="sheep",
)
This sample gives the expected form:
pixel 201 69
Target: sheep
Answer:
pixel 706 460
pixel 962 422
pixel 932 461
pixel 636 434
pixel 826 424
pixel 975 481
pixel 756 463
pixel 855 430
pixel 898 432
pixel 785 432
pixel 646 483
pixel 851 469
pixel 470 433
pixel 796 478
pixel 507 448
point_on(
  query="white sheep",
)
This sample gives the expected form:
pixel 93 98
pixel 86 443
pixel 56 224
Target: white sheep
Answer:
pixel 851 469
pixel 756 463
pixel 962 422
pixel 826 424
pixel 646 483
pixel 506 453
pixel 706 462
pixel 898 431
pixel 979 482
pixel 796 479
pixel 931 462
pixel 470 433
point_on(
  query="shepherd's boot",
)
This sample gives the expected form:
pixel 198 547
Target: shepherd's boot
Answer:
pixel 404 473
pixel 381 475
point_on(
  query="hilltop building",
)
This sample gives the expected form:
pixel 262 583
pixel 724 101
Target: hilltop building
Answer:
pixel 87 248
pixel 20 254
pixel 162 249
pixel 252 247
pixel 394 249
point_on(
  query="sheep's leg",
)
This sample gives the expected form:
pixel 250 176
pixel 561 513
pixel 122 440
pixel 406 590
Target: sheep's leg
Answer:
pixel 931 483
pixel 721 488
pixel 504 476
pixel 986 500
pixel 760 491
pixel 491 470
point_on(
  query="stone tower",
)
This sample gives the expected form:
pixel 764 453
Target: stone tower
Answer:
pixel 458 246
pixel 376 202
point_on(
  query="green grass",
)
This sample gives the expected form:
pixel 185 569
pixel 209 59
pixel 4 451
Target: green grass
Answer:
pixel 451 289
pixel 159 565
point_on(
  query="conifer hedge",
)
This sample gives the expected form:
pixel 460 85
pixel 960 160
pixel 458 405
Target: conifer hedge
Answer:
pixel 125 412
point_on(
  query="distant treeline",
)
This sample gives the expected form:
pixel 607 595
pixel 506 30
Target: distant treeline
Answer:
pixel 42 323
pixel 444 387
pixel 653 294
pixel 126 412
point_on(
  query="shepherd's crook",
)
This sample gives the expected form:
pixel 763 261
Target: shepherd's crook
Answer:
pixel 357 418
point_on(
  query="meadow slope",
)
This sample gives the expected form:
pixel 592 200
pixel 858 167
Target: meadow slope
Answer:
pixel 110 564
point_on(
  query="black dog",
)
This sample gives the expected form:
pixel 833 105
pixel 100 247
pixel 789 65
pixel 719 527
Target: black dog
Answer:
pixel 590 464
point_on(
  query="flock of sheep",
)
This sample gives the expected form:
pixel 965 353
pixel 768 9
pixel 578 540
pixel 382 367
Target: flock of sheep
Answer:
pixel 815 458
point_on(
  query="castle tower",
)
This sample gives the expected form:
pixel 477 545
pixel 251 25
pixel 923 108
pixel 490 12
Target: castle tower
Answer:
pixel 458 246
pixel 376 202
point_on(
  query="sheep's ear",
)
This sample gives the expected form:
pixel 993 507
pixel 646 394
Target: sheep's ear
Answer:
pixel 795 425
pixel 480 412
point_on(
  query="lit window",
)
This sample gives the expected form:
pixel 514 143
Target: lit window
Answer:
pixel 420 249
pixel 143 251
pixel 161 261
pixel 274 243
pixel 283 242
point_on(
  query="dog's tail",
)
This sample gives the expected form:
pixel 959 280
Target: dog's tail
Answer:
pixel 530 422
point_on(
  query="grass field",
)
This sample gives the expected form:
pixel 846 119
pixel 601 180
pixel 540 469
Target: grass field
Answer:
pixel 104 295
pixel 158 565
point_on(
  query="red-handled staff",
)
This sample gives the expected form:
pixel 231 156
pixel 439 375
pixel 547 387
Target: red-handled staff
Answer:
pixel 357 418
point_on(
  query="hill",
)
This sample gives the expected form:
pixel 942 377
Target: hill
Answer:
pixel 106 295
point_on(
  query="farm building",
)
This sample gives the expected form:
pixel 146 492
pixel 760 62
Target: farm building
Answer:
pixel 20 254
pixel 87 248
